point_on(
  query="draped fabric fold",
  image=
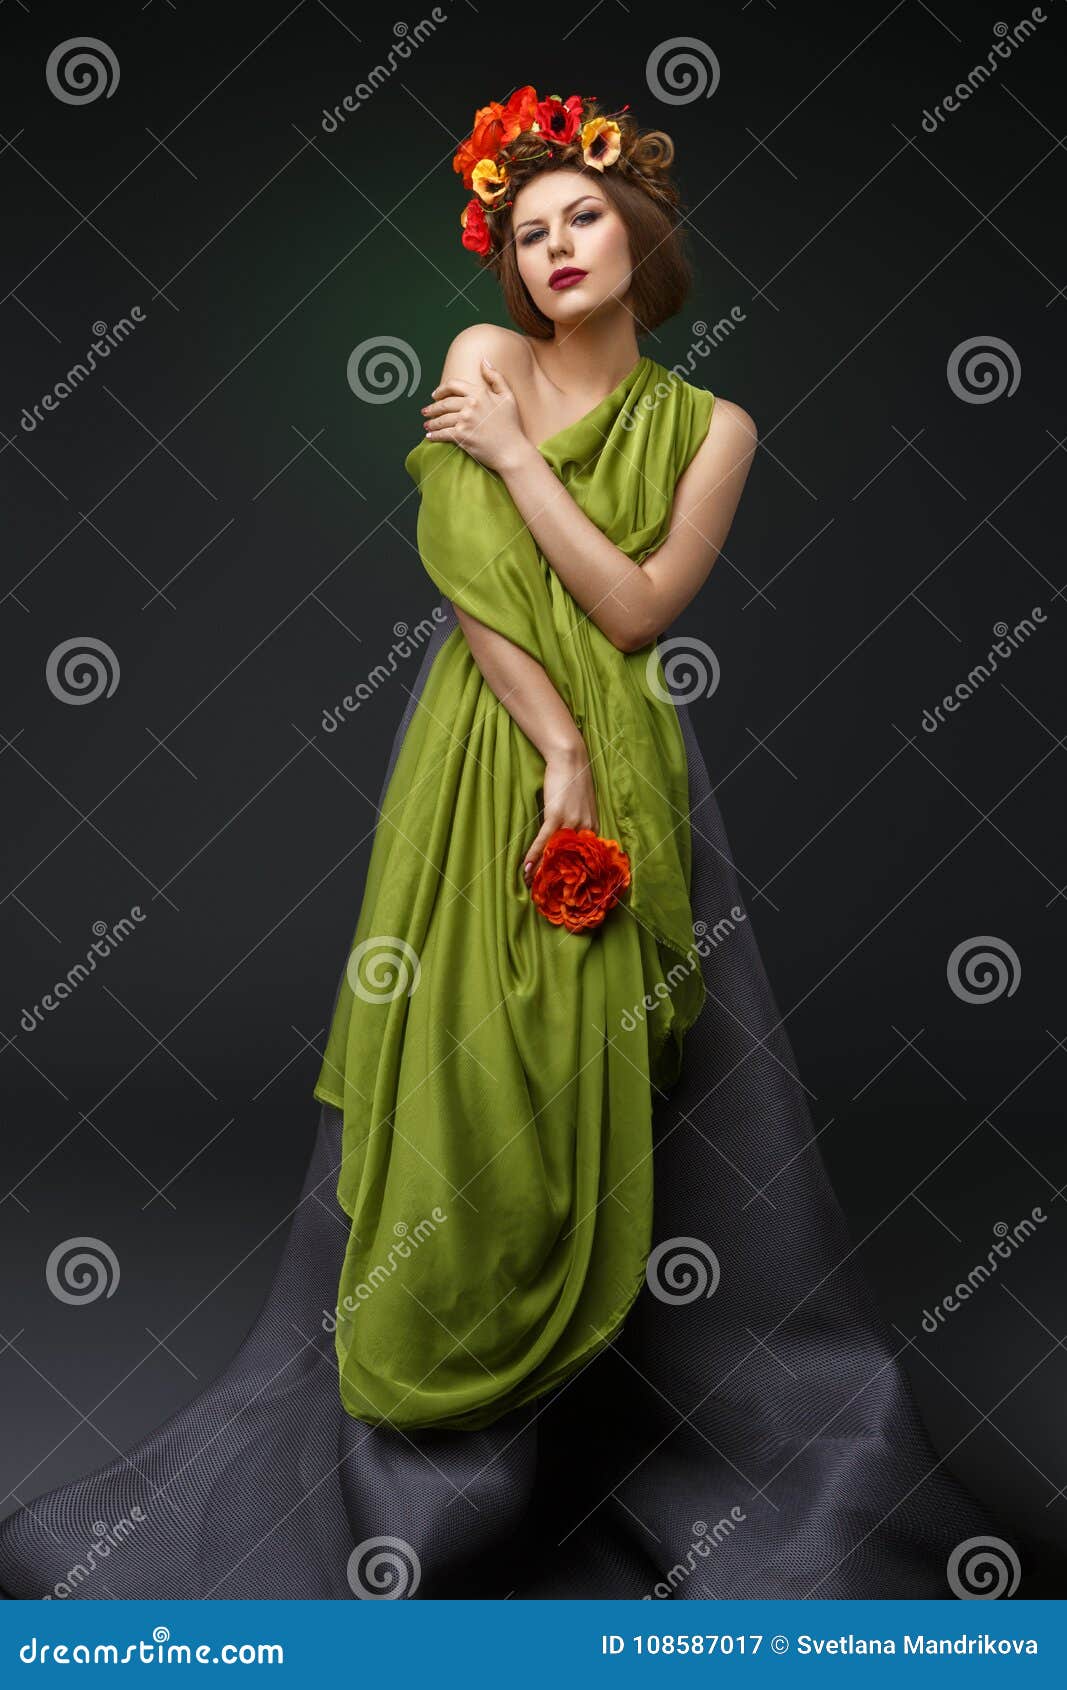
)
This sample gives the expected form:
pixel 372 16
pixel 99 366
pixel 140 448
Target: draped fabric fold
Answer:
pixel 496 1072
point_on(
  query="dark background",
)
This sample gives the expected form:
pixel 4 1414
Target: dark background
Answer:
pixel 218 507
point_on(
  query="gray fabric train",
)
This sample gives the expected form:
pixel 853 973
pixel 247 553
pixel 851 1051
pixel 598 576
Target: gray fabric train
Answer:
pixel 760 1441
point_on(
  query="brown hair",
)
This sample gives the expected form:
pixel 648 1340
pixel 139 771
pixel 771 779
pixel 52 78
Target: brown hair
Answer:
pixel 639 188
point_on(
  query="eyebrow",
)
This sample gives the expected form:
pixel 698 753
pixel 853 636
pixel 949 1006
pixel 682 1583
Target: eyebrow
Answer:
pixel 568 207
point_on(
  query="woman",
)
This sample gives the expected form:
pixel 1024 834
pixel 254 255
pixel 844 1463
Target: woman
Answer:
pixel 589 1300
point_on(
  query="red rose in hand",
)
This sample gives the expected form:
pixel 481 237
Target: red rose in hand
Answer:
pixel 579 878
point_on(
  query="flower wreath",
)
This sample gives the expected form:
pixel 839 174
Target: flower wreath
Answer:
pixel 482 159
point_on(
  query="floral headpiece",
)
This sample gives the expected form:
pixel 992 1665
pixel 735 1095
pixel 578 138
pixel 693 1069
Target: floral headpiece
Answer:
pixel 482 159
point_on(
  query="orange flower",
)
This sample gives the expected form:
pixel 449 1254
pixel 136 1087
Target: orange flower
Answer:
pixel 475 228
pixel 579 878
pixel 601 142
pixel 489 181
pixel 494 126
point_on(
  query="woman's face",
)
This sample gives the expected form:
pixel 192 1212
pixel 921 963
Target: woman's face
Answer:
pixel 562 220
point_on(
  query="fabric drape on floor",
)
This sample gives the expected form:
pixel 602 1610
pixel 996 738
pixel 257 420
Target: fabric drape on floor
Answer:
pixel 758 1442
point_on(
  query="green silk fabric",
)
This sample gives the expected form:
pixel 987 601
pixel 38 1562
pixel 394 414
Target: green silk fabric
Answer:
pixel 496 1072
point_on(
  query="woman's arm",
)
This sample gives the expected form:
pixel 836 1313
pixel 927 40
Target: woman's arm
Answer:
pixel 475 407
pixel 632 603
pixel 525 691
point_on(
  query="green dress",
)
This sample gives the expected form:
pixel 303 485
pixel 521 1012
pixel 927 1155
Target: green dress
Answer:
pixel 495 1071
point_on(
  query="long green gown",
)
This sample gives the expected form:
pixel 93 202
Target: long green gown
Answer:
pixel 495 1071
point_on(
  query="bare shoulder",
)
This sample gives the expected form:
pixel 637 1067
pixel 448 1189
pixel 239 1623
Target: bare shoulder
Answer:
pixel 728 446
pixel 731 430
pixel 505 348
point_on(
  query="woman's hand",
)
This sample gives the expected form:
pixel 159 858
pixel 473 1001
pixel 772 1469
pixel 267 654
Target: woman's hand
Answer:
pixel 481 416
pixel 569 799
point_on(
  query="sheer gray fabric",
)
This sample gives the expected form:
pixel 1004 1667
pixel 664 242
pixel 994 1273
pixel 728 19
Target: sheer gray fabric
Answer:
pixel 757 1441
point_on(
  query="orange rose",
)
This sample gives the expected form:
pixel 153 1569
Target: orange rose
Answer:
pixel 579 878
pixel 494 126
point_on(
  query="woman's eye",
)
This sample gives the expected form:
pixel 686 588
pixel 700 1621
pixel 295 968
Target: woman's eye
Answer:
pixel 528 239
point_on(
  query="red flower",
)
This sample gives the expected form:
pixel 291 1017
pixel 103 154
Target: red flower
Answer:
pixel 579 878
pixel 494 126
pixel 559 119
pixel 475 228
